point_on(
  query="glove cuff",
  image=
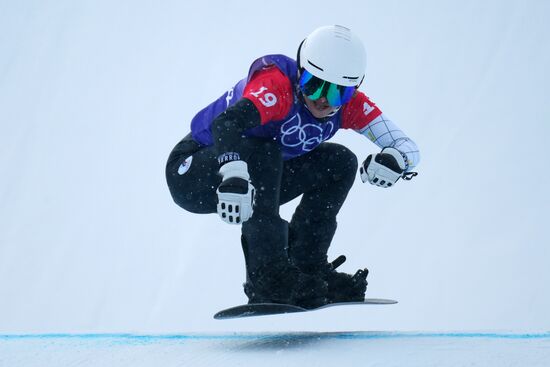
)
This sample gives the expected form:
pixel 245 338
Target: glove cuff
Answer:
pixel 228 157
pixel 401 158
pixel 235 169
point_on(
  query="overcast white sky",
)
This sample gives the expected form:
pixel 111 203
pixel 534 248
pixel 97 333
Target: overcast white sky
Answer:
pixel 94 95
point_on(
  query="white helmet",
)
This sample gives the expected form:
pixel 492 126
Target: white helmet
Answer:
pixel 334 54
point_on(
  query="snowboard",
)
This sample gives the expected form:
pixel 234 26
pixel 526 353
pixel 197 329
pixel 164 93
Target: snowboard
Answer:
pixel 264 309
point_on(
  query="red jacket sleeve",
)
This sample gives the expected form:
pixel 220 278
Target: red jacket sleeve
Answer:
pixel 359 112
pixel 271 92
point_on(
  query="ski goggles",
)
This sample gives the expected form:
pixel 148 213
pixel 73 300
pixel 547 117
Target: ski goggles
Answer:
pixel 315 88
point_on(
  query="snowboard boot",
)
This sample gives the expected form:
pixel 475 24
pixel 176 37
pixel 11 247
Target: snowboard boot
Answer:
pixel 308 247
pixel 270 276
pixel 284 283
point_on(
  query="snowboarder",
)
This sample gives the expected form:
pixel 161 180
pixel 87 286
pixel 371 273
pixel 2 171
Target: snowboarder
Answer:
pixel 263 143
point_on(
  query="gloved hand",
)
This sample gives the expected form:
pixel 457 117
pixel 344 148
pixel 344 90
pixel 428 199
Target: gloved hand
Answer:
pixel 383 169
pixel 235 193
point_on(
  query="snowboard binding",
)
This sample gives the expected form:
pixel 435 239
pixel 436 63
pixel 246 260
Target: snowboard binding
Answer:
pixel 344 287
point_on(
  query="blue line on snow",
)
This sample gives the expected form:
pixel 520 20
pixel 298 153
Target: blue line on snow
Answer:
pixel 282 335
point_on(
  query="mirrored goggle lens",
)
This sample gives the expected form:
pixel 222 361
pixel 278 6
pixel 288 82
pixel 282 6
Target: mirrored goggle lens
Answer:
pixel 315 88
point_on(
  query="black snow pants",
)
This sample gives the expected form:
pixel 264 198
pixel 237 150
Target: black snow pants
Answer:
pixel 323 176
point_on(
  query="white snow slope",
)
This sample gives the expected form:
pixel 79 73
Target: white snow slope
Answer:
pixel 279 350
pixel 93 96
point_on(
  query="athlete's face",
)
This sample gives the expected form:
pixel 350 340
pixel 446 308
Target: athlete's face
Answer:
pixel 320 107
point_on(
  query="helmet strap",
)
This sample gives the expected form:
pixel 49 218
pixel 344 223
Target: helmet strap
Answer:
pixel 361 82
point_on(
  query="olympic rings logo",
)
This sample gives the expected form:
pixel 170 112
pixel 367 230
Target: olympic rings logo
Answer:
pixel 307 136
